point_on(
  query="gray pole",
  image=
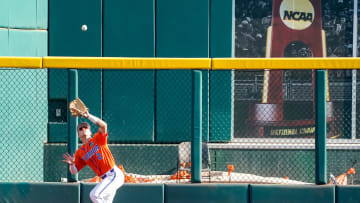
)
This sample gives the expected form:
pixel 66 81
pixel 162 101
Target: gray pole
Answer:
pixel 353 85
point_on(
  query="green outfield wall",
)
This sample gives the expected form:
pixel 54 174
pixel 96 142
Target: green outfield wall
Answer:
pixel 160 100
pixel 23 32
pixel 154 109
pixel 169 193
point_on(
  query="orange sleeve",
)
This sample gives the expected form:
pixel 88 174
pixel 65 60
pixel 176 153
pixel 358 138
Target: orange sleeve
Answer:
pixel 79 162
pixel 100 138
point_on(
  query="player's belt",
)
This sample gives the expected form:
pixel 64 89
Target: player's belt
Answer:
pixel 105 175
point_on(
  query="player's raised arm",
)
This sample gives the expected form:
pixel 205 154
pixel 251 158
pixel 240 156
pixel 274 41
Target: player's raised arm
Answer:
pixel 97 121
pixel 78 108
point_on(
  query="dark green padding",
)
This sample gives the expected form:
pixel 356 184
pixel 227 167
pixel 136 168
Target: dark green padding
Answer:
pixel 173 105
pixel 182 28
pixel 66 37
pixel 207 193
pixel 221 28
pixel 347 194
pixel 292 193
pixel 221 96
pixel 129 193
pixel 39 192
pixel 221 82
pixel 129 28
pixel 129 105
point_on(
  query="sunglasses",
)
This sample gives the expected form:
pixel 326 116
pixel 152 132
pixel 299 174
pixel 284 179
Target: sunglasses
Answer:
pixel 80 129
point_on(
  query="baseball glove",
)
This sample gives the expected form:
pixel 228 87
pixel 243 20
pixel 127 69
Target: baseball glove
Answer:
pixel 78 108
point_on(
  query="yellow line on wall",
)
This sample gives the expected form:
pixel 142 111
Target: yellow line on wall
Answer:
pixel 20 62
pixel 126 63
pixel 180 63
pixel 285 63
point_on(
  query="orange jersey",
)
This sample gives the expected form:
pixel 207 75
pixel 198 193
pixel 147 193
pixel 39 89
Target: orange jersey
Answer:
pixel 95 154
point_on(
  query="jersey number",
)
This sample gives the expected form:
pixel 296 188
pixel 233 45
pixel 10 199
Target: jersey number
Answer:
pixel 99 156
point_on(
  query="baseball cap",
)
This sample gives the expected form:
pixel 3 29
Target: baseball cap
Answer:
pixel 84 124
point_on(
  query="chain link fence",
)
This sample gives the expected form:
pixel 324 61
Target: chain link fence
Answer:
pixel 23 109
pixel 267 142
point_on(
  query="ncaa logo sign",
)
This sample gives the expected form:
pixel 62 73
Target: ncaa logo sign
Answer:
pixel 297 14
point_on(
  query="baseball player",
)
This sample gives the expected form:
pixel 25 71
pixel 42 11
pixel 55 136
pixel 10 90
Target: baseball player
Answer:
pixel 95 153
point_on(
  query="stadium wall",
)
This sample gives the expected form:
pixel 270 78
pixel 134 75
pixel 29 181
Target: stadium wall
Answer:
pixel 23 32
pixel 122 29
pixel 164 193
pixel 147 29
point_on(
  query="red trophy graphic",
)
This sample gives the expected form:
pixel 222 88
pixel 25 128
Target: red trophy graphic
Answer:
pixel 294 22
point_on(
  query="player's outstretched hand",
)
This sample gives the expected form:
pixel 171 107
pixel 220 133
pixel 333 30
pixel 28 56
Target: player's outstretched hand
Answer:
pixel 68 158
pixel 86 113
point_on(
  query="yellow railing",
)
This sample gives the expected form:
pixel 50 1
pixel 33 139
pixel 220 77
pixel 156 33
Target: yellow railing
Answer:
pixel 179 63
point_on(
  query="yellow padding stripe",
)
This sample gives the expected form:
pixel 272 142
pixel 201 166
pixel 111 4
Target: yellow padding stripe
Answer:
pixel 126 63
pixel 285 63
pixel 21 62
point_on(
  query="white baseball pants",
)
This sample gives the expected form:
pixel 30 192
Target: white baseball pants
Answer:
pixel 104 192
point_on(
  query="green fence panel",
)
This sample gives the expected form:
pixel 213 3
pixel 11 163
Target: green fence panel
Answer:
pixel 173 105
pixel 174 39
pixel 4 38
pixel 66 37
pixel 221 91
pixel 146 159
pixel 205 105
pixel 292 193
pixel 4 13
pixel 24 14
pixel 130 193
pixel 57 101
pixel 58 84
pixel 57 132
pixel 337 165
pixel 209 193
pixel 24 144
pixel 129 95
pixel 221 106
pixel 27 43
pixel 182 28
pixel 39 192
pixel 90 92
pixel 222 18
pixel 129 28
pixel 296 164
pixel 42 14
pixel 347 193
pixel 129 105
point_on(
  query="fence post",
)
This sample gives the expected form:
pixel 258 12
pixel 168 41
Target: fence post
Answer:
pixel 72 121
pixel 196 127
pixel 320 127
